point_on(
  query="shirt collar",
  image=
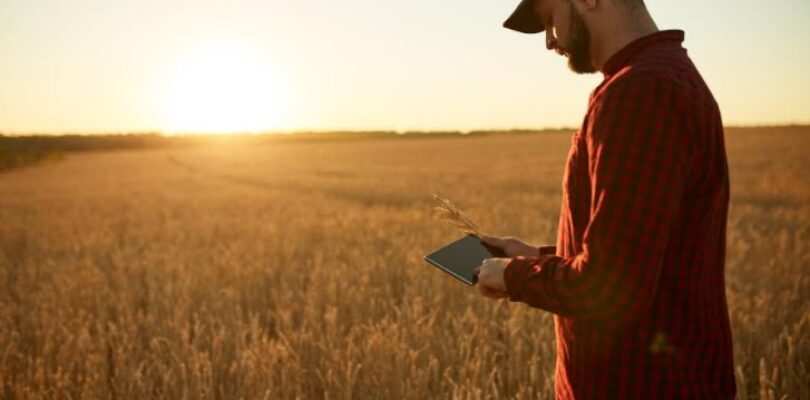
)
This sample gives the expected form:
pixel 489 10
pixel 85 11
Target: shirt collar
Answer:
pixel 622 57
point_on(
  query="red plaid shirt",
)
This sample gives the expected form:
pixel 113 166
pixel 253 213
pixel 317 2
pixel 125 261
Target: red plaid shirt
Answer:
pixel 636 279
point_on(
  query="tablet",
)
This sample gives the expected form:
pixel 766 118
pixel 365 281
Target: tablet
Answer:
pixel 462 257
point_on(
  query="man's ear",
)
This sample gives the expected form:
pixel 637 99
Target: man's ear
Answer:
pixel 589 4
pixel 586 5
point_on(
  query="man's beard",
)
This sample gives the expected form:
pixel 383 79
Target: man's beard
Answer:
pixel 579 52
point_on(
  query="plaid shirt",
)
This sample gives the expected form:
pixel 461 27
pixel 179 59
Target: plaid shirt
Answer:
pixel 636 278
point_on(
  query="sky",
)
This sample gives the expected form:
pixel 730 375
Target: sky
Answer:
pixel 100 66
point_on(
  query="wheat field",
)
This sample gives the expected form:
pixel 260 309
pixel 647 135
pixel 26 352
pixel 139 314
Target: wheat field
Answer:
pixel 294 270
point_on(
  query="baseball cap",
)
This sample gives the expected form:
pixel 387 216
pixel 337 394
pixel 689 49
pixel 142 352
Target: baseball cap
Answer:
pixel 525 19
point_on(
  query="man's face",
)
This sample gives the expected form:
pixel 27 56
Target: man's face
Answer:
pixel 567 33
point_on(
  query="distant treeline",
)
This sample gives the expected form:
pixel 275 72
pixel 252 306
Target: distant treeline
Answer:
pixel 17 151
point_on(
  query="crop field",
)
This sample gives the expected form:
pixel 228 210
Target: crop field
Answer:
pixel 294 270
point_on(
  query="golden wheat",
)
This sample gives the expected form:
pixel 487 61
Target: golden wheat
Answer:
pixel 446 211
pixel 295 270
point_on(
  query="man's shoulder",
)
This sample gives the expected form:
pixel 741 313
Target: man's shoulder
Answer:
pixel 631 86
pixel 672 71
pixel 642 75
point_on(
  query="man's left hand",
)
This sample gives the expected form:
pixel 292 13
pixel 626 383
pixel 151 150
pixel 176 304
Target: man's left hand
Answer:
pixel 490 277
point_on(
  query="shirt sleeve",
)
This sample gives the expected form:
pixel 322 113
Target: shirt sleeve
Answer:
pixel 637 165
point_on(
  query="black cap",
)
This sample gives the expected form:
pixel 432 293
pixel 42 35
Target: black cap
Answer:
pixel 525 19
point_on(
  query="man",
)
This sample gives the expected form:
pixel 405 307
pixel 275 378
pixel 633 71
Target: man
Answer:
pixel 636 278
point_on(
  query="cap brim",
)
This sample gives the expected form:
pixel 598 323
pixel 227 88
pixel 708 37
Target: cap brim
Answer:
pixel 524 19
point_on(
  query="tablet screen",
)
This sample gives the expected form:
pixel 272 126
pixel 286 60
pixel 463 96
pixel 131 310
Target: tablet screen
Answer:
pixel 462 257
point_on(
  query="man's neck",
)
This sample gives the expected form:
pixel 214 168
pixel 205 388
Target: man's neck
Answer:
pixel 619 35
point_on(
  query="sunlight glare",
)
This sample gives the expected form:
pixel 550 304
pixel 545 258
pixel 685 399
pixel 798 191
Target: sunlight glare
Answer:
pixel 223 88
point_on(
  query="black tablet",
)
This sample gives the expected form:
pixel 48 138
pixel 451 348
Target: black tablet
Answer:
pixel 462 257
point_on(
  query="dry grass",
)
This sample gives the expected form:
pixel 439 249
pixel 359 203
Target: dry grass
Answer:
pixel 449 213
pixel 295 270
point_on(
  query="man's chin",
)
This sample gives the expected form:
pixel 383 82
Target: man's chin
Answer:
pixel 580 68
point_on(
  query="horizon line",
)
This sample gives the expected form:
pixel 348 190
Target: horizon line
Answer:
pixel 170 133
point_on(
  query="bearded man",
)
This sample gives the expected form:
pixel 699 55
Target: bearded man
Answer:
pixel 636 279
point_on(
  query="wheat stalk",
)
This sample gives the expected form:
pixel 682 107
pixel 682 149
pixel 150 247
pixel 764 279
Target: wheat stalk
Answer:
pixel 446 211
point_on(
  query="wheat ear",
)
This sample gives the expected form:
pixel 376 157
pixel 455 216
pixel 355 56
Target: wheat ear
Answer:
pixel 446 211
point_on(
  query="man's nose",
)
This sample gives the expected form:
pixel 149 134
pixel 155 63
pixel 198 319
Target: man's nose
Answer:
pixel 551 41
pixel 552 44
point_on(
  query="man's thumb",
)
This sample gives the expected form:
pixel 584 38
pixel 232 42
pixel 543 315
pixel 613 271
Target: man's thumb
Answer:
pixel 492 240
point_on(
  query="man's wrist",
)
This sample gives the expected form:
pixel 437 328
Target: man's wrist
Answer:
pixel 514 276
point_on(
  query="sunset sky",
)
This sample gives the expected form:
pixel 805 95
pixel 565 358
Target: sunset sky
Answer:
pixel 174 66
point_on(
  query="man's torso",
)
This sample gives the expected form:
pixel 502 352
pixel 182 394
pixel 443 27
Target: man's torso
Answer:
pixel 681 346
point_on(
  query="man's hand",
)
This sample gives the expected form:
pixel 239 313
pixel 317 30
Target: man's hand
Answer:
pixel 490 277
pixel 512 247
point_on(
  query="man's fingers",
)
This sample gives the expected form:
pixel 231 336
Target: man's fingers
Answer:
pixel 496 246
pixel 485 290
pixel 497 294
pixel 491 293
pixel 492 240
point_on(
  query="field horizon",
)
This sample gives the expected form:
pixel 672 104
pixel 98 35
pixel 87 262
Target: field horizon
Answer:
pixel 20 149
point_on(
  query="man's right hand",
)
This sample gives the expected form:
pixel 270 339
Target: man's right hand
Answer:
pixel 513 247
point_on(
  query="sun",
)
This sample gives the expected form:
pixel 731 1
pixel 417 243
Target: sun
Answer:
pixel 223 88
